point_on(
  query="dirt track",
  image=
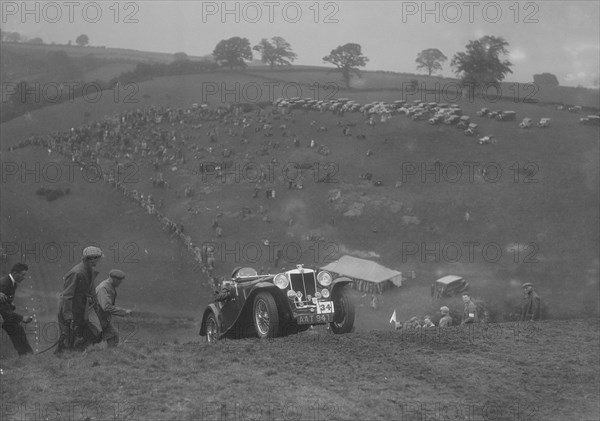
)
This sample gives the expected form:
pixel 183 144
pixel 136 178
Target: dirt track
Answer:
pixel 504 372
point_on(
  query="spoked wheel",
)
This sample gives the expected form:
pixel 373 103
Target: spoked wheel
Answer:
pixel 344 312
pixel 212 328
pixel 266 317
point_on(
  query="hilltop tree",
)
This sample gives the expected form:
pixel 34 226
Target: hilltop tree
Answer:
pixel 277 52
pixel 82 40
pixel 481 64
pixel 347 58
pixel 181 56
pixel 12 37
pixel 36 40
pixel 233 52
pixel 430 59
pixel 547 79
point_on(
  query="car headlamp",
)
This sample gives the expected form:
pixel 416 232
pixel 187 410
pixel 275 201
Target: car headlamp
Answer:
pixel 281 281
pixel 324 278
pixel 325 293
pixel 291 294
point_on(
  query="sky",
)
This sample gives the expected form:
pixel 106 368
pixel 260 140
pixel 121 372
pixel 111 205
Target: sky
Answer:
pixel 559 37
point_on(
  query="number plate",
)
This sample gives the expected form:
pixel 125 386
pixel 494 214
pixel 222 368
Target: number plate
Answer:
pixel 311 319
pixel 325 307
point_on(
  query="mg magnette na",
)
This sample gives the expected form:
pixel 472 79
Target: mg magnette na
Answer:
pixel 269 306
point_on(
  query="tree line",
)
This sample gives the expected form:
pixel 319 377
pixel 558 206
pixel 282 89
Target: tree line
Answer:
pixel 5 36
pixel 480 64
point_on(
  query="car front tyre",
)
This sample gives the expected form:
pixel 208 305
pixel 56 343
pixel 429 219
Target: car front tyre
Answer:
pixel 266 317
pixel 212 328
pixel 343 320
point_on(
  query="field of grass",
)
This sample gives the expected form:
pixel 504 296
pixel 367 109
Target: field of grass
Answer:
pixel 442 375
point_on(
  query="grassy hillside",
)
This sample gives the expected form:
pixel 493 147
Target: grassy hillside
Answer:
pixel 21 59
pixel 510 211
pixel 506 372
pixel 550 215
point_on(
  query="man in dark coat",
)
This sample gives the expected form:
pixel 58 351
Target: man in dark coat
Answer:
pixel 106 295
pixel 532 306
pixel 12 320
pixel 77 289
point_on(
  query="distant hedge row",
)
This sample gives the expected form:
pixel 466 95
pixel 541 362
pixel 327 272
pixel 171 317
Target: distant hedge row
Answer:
pixel 24 97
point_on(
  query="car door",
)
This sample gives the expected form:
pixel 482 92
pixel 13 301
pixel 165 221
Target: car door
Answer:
pixel 232 307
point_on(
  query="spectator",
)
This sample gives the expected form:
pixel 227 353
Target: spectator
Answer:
pixel 470 310
pixel 106 295
pixel 12 320
pixel 427 322
pixel 446 320
pixel 374 302
pixel 414 323
pixel 78 287
pixel 532 306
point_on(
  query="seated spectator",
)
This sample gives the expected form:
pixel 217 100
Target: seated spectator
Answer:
pixel 427 322
pixel 446 320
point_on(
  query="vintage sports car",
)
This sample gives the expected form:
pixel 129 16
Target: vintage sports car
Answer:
pixel 269 306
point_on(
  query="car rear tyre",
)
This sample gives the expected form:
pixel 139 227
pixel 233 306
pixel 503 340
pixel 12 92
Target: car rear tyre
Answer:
pixel 212 328
pixel 344 312
pixel 266 317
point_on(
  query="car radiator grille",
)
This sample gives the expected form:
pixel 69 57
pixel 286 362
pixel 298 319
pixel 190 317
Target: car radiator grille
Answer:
pixel 305 283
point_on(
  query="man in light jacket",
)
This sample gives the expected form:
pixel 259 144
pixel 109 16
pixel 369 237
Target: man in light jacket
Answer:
pixel 106 296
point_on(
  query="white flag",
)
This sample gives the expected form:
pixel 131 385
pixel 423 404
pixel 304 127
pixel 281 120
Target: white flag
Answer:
pixel 393 319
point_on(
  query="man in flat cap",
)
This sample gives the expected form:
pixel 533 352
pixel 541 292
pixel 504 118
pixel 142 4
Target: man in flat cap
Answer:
pixel 106 295
pixel 78 288
pixel 532 305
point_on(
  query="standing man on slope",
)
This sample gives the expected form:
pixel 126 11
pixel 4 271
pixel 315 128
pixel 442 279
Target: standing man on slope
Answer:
pixel 106 295
pixel 12 320
pixel 77 289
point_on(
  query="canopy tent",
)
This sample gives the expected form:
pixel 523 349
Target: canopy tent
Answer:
pixel 369 276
